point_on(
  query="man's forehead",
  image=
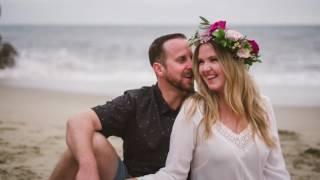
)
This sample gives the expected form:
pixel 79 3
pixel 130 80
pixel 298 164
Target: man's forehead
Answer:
pixel 176 45
pixel 175 42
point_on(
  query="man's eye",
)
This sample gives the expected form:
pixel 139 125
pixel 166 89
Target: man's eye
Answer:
pixel 181 59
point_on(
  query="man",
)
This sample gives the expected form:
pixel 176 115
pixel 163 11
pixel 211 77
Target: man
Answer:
pixel 143 118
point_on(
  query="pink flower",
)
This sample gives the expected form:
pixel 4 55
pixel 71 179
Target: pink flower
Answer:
pixel 217 25
pixel 233 35
pixel 243 53
pixel 254 46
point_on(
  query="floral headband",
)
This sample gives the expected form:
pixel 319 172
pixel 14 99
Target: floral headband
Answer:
pixel 238 44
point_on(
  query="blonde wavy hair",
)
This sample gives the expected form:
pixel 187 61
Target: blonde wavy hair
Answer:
pixel 240 94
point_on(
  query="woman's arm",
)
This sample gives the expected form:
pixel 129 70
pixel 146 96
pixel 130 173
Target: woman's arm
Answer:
pixel 274 168
pixel 182 144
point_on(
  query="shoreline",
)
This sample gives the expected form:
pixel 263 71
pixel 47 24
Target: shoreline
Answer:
pixel 32 132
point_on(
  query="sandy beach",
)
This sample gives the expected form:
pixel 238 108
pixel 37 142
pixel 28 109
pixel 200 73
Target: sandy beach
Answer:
pixel 32 132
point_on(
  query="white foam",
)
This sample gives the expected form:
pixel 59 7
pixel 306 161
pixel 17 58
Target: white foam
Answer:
pixel 111 59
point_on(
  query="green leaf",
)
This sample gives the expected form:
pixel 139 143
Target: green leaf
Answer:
pixel 204 20
pixel 246 45
pixel 229 43
pixel 219 34
pixel 224 43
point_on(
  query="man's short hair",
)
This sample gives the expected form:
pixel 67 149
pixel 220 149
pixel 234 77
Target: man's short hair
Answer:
pixel 156 51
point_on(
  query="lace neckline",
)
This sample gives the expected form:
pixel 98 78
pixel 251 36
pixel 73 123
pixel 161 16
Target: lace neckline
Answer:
pixel 241 140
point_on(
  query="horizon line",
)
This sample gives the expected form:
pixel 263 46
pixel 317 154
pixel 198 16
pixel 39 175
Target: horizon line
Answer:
pixel 153 24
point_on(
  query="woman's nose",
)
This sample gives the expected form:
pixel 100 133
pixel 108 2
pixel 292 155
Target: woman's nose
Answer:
pixel 206 67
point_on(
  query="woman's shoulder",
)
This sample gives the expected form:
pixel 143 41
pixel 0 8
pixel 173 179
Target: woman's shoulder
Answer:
pixel 265 98
pixel 194 101
pixel 193 107
pixel 266 103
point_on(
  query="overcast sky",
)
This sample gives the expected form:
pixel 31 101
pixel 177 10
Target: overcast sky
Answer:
pixel 168 12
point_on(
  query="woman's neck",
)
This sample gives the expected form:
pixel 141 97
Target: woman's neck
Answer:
pixel 230 118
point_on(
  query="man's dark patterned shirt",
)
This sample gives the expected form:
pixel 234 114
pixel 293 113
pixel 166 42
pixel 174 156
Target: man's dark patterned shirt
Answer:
pixel 144 121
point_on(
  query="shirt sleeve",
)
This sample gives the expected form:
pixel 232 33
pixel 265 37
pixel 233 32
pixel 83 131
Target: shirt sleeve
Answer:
pixel 274 168
pixel 115 114
pixel 182 144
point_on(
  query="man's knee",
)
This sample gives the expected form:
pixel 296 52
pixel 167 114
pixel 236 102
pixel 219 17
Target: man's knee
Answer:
pixel 106 156
pixel 68 154
pixel 101 144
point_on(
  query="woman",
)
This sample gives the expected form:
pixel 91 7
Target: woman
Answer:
pixel 227 130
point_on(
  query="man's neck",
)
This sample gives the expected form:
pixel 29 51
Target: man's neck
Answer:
pixel 173 96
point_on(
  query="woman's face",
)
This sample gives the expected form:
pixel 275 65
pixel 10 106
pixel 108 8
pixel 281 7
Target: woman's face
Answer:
pixel 210 68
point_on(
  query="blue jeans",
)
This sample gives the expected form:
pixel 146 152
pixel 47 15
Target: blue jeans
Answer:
pixel 122 172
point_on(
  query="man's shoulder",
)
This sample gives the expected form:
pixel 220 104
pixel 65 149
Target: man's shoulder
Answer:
pixel 143 92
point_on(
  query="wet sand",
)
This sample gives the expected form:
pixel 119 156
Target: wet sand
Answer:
pixel 32 132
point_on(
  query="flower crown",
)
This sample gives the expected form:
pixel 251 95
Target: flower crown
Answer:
pixel 235 42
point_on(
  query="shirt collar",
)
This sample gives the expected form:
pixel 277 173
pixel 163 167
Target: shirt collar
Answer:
pixel 163 105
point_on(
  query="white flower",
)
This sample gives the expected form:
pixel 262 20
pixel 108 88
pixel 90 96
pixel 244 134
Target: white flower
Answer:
pixel 243 53
pixel 233 35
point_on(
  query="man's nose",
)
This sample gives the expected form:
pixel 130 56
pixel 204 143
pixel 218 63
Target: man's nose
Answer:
pixel 189 63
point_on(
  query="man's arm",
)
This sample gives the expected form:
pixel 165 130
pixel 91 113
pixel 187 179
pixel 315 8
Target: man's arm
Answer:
pixel 80 130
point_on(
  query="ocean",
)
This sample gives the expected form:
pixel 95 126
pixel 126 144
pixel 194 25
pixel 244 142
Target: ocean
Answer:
pixel 107 60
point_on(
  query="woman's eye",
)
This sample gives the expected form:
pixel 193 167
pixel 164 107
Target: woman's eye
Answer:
pixel 213 59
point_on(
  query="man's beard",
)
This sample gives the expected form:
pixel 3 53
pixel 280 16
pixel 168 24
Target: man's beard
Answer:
pixel 178 84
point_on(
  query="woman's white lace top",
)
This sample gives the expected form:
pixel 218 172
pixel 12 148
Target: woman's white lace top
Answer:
pixel 223 156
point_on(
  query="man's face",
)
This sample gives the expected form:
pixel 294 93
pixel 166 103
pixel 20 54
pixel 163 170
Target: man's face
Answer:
pixel 178 64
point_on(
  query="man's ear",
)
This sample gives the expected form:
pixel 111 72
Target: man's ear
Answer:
pixel 158 68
